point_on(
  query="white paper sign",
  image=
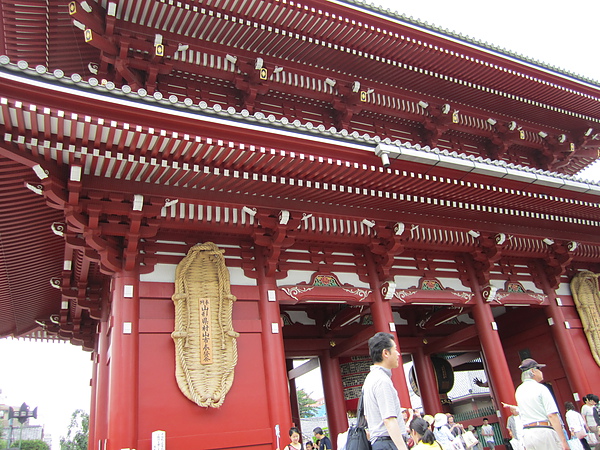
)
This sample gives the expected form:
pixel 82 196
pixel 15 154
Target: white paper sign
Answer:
pixel 159 440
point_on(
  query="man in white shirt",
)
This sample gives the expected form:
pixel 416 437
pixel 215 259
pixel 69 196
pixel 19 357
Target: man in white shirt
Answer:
pixel 487 431
pixel 380 398
pixel 542 429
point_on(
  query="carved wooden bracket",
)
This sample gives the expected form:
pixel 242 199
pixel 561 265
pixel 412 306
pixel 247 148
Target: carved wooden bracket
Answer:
pixel 430 291
pixel 345 105
pixel 436 123
pixel 139 68
pixel 252 81
pixel 555 264
pixel 387 243
pixel 274 231
pixel 102 232
pixel 513 294
pixel 486 254
pixel 503 136
pixel 326 288
pixel 556 151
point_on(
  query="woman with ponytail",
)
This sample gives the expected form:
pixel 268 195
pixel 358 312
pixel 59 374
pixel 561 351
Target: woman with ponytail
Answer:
pixel 422 435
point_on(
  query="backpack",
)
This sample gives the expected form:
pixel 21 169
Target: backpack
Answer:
pixel 357 436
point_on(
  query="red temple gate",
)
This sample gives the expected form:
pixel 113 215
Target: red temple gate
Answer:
pixel 361 172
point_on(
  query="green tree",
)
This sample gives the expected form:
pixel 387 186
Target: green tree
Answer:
pixel 305 404
pixel 34 444
pixel 77 433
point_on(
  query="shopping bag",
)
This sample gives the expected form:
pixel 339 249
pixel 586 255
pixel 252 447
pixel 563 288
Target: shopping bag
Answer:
pixel 592 439
pixel 575 444
pixel 341 440
pixel 516 444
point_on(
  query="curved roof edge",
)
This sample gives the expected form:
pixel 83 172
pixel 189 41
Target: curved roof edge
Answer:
pixel 396 149
pixel 429 27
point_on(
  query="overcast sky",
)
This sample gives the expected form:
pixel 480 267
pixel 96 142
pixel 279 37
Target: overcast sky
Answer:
pixel 54 377
pixel 557 32
pixel 560 33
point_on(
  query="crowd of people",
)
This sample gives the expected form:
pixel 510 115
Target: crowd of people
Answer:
pixel 535 422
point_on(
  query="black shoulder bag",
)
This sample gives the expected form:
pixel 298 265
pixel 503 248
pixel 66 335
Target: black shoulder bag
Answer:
pixel 357 436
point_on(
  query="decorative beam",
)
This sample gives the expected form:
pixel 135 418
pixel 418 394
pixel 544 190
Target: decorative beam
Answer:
pixel 346 347
pixel 444 344
pixel 464 358
pixel 305 368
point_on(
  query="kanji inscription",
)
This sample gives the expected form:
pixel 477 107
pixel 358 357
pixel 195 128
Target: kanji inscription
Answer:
pixel 206 354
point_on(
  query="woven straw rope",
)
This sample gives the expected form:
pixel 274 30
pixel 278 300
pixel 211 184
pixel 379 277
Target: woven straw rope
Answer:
pixel 584 287
pixel 202 274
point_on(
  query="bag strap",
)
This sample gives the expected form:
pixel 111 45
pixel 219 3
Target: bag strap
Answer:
pixel 360 413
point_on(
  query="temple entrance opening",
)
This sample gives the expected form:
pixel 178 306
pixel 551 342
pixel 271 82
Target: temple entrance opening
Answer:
pixel 306 396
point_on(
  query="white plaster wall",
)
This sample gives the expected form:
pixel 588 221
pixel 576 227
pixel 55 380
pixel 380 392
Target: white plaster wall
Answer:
pixel 453 283
pixel 165 273
pixel 351 279
pixel 564 289
pixel 238 278
pixel 398 319
pixel 405 282
pixel 295 277
pixel 301 317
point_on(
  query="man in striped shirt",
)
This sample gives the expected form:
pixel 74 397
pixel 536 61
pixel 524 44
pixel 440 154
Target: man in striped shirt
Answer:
pixel 382 407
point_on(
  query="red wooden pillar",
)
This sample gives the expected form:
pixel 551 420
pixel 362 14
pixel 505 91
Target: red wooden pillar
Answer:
pixel 383 319
pixel 569 354
pixel 123 364
pixel 100 395
pixel 499 374
pixel 93 402
pixel 428 387
pixel 273 352
pixel 333 388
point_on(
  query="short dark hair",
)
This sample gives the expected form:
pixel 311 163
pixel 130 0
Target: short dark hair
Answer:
pixel 294 430
pixel 485 418
pixel 318 430
pixel 592 397
pixel 378 343
pixel 569 406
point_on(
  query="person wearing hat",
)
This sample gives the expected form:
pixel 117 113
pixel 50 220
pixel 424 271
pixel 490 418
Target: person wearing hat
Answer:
pixel 429 419
pixel 382 406
pixel 442 433
pixel 542 429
